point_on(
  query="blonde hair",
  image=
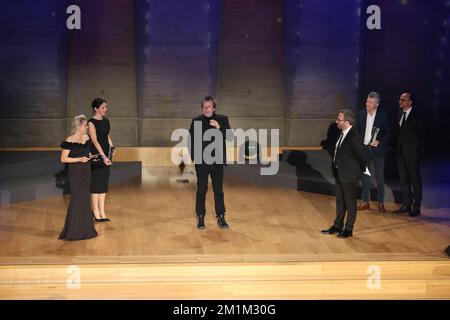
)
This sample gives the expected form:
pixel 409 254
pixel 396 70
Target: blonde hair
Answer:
pixel 76 122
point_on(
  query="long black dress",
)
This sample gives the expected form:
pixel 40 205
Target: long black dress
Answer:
pixel 100 175
pixel 79 223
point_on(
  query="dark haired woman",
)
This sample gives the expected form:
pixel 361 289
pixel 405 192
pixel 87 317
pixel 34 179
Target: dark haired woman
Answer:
pixel 99 129
pixel 76 153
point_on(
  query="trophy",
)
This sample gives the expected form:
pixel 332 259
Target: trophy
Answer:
pixel 96 160
pixel 375 132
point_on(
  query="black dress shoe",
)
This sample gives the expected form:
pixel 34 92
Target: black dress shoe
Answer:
pixel 403 209
pixel 98 220
pixel 106 220
pixel 415 212
pixel 345 234
pixel 221 222
pixel 201 222
pixel 331 230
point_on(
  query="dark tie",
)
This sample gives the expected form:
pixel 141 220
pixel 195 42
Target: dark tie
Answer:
pixel 403 119
pixel 337 146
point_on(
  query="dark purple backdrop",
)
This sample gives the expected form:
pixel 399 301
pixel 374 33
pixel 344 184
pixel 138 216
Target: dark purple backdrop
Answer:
pixel 331 60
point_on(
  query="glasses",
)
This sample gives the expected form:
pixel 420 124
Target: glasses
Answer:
pixel 404 99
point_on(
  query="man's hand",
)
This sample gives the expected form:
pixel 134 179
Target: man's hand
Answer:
pixel 214 123
pixel 375 143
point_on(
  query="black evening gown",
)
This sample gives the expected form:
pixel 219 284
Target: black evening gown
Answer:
pixel 100 175
pixel 79 223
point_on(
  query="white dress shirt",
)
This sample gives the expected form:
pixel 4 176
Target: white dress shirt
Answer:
pixel 406 116
pixel 369 126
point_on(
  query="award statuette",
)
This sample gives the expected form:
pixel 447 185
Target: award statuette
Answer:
pixel 96 161
pixel 375 132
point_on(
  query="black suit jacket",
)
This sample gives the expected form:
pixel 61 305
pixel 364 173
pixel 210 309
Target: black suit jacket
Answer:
pixel 351 158
pixel 224 125
pixel 382 122
pixel 411 135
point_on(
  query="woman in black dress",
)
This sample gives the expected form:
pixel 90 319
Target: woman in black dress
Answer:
pixel 76 153
pixel 99 129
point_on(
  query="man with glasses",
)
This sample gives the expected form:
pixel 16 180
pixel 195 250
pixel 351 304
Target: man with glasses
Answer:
pixel 410 145
pixel 349 162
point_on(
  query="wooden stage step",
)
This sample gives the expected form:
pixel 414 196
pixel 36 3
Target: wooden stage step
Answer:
pixel 264 280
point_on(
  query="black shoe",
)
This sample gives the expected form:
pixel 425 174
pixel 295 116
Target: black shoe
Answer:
pixel 403 209
pixel 221 222
pixel 415 212
pixel 345 234
pixel 201 222
pixel 98 220
pixel 332 230
pixel 106 220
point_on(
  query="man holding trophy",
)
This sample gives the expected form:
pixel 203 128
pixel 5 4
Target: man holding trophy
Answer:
pixel 373 124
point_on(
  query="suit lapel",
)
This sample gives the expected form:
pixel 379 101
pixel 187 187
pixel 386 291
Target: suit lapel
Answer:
pixel 347 137
pixel 400 115
pixel 378 117
pixel 364 122
pixel 411 115
pixel 408 119
pixel 346 140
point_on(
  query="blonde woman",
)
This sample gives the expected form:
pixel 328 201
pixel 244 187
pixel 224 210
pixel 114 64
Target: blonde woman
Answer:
pixel 76 154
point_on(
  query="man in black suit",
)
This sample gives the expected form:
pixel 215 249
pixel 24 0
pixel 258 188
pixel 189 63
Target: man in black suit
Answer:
pixel 213 164
pixel 374 126
pixel 410 145
pixel 349 162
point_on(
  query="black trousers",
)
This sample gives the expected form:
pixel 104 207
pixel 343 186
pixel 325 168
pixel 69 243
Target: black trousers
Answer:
pixel 203 171
pixel 345 203
pixel 409 173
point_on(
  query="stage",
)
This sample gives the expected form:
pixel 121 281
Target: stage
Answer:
pixel 273 249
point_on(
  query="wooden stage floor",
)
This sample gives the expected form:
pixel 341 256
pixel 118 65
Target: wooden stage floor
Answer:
pixel 274 240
